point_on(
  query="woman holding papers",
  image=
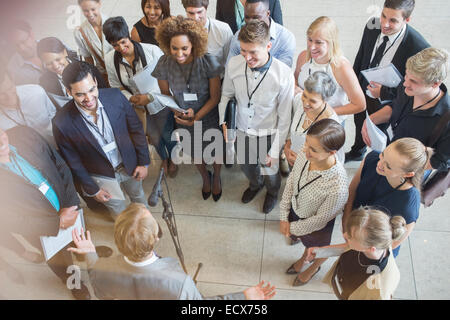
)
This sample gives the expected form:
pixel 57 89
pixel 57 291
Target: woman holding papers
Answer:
pixel 126 67
pixel 310 107
pixel 366 268
pixel 193 77
pixel 155 11
pixel 391 180
pixel 315 192
pixel 422 107
pixel 89 36
pixel 323 53
pixel 55 58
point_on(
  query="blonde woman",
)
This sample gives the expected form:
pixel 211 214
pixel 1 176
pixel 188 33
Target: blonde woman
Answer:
pixel 315 193
pixel 89 36
pixel 391 181
pixel 367 269
pixel 323 54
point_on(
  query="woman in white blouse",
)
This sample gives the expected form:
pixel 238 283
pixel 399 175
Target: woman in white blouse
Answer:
pixel 89 36
pixel 310 107
pixel 315 193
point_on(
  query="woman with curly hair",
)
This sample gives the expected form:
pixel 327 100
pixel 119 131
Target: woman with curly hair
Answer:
pixel 193 77
pixel 155 11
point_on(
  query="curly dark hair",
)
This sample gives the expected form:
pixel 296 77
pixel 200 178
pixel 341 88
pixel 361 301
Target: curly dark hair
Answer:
pixel 175 26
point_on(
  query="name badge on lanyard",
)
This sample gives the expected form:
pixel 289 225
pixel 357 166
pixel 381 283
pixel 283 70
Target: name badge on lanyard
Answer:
pixel 390 133
pixel 110 147
pixel 43 188
pixel 189 96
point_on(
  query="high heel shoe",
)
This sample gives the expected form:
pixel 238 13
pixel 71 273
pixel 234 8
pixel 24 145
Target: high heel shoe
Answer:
pixel 216 197
pixel 207 194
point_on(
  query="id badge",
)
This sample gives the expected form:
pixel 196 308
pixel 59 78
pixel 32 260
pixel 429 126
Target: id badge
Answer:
pixel 297 141
pixel 110 147
pixel 390 133
pixel 189 96
pixel 43 188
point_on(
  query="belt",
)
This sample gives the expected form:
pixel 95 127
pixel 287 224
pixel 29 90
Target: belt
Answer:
pixel 120 166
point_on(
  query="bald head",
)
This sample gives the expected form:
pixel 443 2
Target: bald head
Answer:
pixel 257 9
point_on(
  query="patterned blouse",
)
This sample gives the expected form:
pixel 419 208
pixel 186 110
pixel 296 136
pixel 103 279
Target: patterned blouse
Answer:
pixel 317 202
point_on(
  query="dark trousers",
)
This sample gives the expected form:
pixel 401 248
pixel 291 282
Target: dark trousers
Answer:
pixel 373 105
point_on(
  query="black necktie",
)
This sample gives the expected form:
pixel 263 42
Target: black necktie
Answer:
pixel 379 53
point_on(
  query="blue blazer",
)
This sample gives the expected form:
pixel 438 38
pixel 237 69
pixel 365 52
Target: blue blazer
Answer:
pixel 81 150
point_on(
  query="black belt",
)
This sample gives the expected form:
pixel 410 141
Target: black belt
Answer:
pixel 120 166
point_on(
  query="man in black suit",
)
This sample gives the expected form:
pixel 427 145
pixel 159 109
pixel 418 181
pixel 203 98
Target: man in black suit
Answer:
pixel 37 198
pixel 226 12
pixel 389 39
pixel 102 140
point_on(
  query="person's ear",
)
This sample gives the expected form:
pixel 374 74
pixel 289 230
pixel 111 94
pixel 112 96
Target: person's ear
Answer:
pixel 408 19
pixel 409 174
pixel 269 46
pixel 333 152
pixel 436 84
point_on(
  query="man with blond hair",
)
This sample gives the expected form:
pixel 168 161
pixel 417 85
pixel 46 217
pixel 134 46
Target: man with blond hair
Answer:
pixel 138 273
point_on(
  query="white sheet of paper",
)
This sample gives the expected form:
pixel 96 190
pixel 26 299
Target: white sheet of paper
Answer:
pixel 52 245
pixel 168 102
pixel 111 185
pixel 387 76
pixel 297 141
pixel 377 137
pixel 144 80
pixel 329 252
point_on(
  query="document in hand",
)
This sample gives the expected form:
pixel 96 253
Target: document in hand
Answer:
pixel 168 102
pixel 377 137
pixel 52 245
pixel 144 80
pixel 387 76
pixel 111 185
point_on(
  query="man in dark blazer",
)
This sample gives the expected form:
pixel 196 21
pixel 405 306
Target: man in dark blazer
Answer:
pixel 102 140
pixel 226 12
pixel 37 197
pixel 403 41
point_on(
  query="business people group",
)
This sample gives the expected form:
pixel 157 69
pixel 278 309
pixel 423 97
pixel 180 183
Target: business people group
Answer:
pixel 90 127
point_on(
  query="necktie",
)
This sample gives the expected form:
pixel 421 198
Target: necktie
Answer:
pixel 379 53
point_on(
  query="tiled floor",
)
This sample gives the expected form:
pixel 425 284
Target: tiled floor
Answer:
pixel 237 244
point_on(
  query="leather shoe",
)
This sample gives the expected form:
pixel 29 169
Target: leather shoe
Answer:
pixel 291 270
pixel 249 195
pixel 269 203
pixel 82 293
pixel 349 156
pixel 298 282
pixel 103 251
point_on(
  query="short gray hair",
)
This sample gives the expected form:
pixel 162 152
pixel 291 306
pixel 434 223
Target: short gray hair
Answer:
pixel 321 83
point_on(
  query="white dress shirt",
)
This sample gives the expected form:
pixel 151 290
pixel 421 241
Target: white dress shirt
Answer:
pixel 219 39
pixel 271 104
pixel 152 55
pixel 145 263
pixel 391 46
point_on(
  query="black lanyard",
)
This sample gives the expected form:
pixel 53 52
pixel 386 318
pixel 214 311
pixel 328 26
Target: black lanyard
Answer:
pixel 21 114
pixel 385 51
pixel 102 134
pixel 401 117
pixel 372 191
pixel 300 121
pixel 188 81
pixel 308 183
pixel 250 96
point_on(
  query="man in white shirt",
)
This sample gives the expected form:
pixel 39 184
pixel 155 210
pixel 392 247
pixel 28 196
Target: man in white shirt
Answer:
pixel 263 87
pixel 26 105
pixel 219 33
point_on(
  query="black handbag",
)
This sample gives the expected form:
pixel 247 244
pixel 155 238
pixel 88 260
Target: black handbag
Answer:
pixel 438 184
pixel 230 114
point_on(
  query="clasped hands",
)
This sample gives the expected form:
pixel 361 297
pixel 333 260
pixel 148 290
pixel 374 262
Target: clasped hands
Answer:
pixel 186 119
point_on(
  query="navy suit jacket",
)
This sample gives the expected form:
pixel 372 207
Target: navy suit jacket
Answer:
pixel 412 43
pixel 81 150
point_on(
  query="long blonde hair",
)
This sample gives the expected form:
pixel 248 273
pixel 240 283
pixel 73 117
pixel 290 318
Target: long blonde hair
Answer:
pixel 374 228
pixel 329 32
pixel 415 158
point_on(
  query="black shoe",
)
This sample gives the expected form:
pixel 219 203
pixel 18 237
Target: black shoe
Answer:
pixel 350 156
pixel 82 293
pixel 216 197
pixel 228 165
pixel 103 251
pixel 249 195
pixel 207 194
pixel 269 203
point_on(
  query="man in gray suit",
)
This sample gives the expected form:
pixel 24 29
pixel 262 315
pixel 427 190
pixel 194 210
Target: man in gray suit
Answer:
pixel 138 273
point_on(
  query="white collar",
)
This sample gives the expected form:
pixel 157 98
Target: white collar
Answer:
pixel 272 30
pixel 394 36
pixel 142 263
pixel 99 108
pixel 207 24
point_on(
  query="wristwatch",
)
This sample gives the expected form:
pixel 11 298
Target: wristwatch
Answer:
pixel 150 97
